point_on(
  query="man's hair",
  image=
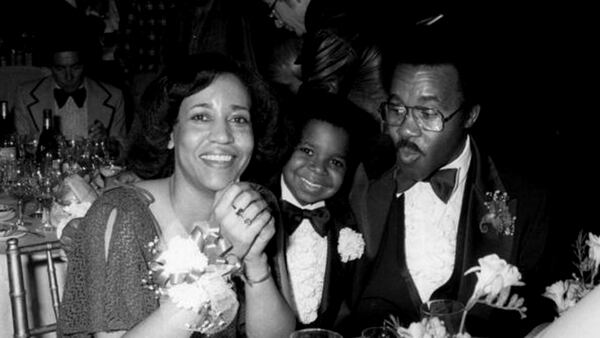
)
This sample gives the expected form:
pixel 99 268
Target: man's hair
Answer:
pixel 441 43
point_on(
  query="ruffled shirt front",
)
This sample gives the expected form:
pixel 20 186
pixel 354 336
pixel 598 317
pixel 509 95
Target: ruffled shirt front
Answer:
pixel 306 257
pixel 431 227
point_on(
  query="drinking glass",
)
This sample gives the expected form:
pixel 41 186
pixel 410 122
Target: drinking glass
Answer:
pixel 449 311
pixel 315 333
pixel 47 181
pixel 23 189
pixel 379 332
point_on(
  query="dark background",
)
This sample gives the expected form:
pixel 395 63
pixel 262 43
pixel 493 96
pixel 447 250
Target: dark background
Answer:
pixel 538 74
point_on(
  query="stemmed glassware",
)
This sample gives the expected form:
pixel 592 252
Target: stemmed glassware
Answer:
pixel 23 188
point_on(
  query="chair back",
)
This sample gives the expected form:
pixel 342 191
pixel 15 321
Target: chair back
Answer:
pixel 17 291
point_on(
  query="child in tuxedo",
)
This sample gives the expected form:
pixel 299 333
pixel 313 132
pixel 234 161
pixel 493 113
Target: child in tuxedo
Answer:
pixel 317 241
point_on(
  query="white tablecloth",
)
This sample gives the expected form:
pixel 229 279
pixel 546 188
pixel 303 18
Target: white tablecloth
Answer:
pixel 38 295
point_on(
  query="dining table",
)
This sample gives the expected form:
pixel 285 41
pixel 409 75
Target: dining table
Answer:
pixel 39 301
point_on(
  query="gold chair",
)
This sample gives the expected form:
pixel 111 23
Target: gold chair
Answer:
pixel 18 299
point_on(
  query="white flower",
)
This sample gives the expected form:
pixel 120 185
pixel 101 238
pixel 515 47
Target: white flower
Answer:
pixel 558 292
pixel 187 277
pixel 494 274
pixel 593 243
pixel 351 245
pixel 182 255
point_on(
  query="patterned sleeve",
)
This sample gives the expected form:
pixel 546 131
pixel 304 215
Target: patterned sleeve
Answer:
pixel 107 294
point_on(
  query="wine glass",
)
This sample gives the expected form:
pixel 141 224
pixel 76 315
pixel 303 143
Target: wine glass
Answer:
pixel 315 333
pixel 47 181
pixel 379 332
pixel 23 189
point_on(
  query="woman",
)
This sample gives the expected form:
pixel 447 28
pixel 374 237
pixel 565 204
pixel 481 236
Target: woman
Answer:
pixel 211 112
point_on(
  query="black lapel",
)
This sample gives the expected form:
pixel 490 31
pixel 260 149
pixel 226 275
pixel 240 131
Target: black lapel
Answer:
pixel 35 101
pixel 471 242
pixel 106 102
pixel 379 198
pixel 370 202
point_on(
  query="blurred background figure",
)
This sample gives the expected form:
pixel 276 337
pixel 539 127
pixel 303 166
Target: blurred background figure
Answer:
pixel 84 107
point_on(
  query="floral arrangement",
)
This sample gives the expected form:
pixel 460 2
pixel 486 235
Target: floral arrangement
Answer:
pixel 495 277
pixel 351 245
pixel 498 215
pixel 196 275
pixel 567 293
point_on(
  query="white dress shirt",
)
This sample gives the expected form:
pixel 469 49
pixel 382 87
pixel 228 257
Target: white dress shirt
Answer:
pixel 306 257
pixel 430 229
pixel 73 119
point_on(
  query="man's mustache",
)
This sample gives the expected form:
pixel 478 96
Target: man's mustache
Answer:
pixel 404 143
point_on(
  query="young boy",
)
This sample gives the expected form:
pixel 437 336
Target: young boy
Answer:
pixel 316 240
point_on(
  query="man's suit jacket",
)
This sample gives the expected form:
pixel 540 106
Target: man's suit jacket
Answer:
pixel 371 200
pixel 337 282
pixel 104 103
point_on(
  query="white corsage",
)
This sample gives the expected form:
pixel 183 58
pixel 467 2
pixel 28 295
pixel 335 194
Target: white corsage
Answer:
pixel 195 276
pixel 351 245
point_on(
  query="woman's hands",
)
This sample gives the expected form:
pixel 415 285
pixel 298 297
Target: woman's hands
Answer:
pixel 245 219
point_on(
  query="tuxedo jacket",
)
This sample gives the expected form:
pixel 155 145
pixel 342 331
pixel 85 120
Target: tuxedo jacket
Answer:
pixel 337 279
pixel 371 200
pixel 104 103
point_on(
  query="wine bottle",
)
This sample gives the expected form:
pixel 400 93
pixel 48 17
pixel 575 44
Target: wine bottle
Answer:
pixel 8 144
pixel 47 148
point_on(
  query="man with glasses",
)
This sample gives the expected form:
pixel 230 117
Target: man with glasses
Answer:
pixel 444 204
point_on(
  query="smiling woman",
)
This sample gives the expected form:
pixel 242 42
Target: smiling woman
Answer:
pixel 208 113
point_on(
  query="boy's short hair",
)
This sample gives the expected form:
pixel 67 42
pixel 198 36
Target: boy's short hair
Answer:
pixel 333 109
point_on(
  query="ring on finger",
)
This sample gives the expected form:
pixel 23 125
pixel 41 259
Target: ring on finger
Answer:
pixel 247 221
pixel 239 212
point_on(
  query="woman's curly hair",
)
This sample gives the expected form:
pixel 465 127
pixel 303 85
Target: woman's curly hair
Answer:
pixel 149 156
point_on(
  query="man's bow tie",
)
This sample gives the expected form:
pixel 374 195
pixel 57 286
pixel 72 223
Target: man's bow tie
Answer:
pixel 61 96
pixel 442 182
pixel 293 216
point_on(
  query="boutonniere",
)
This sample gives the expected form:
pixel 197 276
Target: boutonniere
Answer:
pixel 498 215
pixel 351 245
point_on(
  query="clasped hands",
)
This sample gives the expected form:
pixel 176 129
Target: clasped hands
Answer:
pixel 245 221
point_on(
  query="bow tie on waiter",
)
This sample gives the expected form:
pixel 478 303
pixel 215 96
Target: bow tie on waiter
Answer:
pixel 293 216
pixel 61 96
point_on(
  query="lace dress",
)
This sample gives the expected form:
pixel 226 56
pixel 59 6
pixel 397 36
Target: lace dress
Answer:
pixel 108 294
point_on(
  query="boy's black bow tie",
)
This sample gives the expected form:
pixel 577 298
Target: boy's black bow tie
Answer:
pixel 293 216
pixel 442 182
pixel 61 96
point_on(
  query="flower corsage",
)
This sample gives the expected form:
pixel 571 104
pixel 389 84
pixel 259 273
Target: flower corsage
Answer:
pixel 498 215
pixel 196 275
pixel 351 245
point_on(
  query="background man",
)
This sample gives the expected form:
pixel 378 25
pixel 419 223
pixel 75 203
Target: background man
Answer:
pixel 85 108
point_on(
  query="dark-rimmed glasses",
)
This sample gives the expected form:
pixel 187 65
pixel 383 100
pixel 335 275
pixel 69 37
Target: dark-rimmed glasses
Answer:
pixel 430 119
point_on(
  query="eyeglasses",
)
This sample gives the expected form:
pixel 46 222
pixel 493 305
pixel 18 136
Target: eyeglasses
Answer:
pixel 429 119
